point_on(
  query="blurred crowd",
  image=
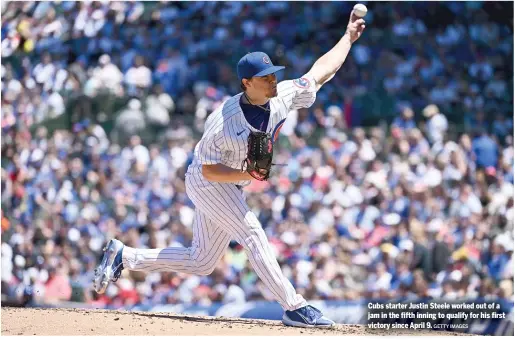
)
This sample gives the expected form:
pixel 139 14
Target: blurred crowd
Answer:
pixel 457 55
pixel 405 209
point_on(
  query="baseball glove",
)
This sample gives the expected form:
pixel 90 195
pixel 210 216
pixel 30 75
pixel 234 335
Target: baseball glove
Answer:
pixel 259 155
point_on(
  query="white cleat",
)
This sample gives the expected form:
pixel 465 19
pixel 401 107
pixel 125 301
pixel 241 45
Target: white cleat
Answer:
pixel 110 268
pixel 307 316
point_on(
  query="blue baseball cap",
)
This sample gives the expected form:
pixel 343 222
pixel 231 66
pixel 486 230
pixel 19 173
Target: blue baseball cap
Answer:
pixel 256 64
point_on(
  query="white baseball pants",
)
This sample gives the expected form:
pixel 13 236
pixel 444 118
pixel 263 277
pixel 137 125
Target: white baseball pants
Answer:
pixel 221 214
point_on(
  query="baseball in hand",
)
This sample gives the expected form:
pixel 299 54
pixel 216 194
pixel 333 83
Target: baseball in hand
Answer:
pixel 360 10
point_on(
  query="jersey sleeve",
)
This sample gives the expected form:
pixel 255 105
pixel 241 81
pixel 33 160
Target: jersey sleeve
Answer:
pixel 209 150
pixel 298 93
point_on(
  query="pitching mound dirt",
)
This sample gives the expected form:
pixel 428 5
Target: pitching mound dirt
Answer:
pixel 36 321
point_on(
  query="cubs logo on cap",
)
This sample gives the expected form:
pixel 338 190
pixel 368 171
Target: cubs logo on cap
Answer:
pixel 256 64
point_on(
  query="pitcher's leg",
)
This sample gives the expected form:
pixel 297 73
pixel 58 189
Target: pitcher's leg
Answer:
pixel 226 206
pixel 209 244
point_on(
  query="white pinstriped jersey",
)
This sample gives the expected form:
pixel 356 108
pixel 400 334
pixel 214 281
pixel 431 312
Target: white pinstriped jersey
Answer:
pixel 221 211
pixel 226 129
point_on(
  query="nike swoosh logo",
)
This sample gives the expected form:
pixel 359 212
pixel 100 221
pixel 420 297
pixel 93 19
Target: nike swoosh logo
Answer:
pixel 239 133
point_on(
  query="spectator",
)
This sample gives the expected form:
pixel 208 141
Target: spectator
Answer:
pixel 405 121
pixel 440 252
pixel 159 107
pixel 498 261
pixel 108 75
pixel 138 77
pixel 131 120
pixel 380 280
pixel 497 86
pixel 502 126
pixel 57 287
pixel 436 125
pixel 485 149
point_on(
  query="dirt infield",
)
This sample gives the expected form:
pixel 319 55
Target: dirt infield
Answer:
pixel 36 321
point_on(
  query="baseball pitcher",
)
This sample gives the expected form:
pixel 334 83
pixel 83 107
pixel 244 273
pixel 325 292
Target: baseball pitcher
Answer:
pixel 236 148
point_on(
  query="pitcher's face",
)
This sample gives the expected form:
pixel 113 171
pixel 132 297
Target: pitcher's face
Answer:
pixel 266 85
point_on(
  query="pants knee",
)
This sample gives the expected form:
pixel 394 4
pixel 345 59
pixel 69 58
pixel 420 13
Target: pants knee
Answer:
pixel 205 265
pixel 254 239
pixel 204 271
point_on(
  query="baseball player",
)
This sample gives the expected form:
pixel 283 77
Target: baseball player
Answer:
pixel 215 179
